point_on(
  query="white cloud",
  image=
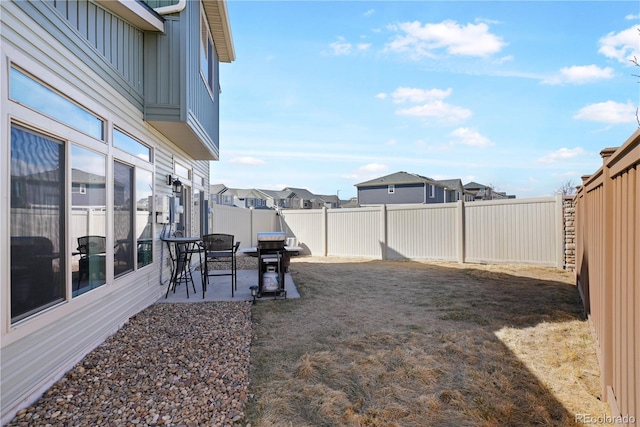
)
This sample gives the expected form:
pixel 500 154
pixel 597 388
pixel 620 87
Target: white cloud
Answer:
pixel 381 95
pixel 341 47
pixel 622 46
pixel 368 171
pixel 433 106
pixel 391 142
pixel 425 40
pixel 471 137
pixel 369 12
pixel 562 154
pixel 363 46
pixel 408 94
pixel 608 112
pixel 580 74
pixel 632 17
pixel 252 161
pixel 442 111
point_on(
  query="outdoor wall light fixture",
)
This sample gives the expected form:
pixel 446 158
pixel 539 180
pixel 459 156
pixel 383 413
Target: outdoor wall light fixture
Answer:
pixel 177 185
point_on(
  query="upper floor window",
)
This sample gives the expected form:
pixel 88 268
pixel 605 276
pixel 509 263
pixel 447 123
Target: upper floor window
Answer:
pixel 33 94
pixel 391 188
pixel 126 143
pixel 432 191
pixel 207 55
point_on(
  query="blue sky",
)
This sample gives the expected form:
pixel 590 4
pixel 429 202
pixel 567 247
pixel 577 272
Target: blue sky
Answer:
pixel 519 95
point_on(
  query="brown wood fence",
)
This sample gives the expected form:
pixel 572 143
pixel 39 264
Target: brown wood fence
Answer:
pixel 608 273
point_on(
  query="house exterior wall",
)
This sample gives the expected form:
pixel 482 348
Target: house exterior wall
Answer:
pixel 174 89
pixel 403 194
pixel 110 43
pixel 37 350
pixel 379 195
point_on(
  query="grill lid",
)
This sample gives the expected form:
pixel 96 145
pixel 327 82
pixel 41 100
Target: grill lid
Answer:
pixel 274 236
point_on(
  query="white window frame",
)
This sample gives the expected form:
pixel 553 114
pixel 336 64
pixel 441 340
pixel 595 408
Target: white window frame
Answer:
pixel 391 189
pixel 207 56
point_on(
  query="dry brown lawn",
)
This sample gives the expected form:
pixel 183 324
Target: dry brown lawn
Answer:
pixel 403 343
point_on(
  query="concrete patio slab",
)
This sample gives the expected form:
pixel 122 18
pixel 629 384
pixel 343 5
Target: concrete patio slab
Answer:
pixel 219 288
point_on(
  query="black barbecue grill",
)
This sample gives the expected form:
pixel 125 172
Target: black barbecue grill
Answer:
pixel 272 264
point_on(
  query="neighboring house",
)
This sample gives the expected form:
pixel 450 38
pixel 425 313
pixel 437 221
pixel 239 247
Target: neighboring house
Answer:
pixel 278 199
pixel 330 201
pixel 289 198
pixel 485 192
pixel 401 188
pixel 244 198
pixel 216 194
pixel 304 199
pixel 456 190
pixel 105 103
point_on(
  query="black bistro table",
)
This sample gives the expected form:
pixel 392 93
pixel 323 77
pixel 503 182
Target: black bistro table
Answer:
pixel 180 251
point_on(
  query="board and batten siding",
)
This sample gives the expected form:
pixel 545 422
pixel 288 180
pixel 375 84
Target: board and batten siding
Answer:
pixel 174 88
pixel 109 45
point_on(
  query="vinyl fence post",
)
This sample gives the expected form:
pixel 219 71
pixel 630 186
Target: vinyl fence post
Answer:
pixel 559 231
pixel 383 232
pixel 325 229
pixel 251 227
pixel 460 230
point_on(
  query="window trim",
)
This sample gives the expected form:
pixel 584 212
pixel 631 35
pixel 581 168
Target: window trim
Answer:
pixel 391 189
pixel 62 97
pixel 209 54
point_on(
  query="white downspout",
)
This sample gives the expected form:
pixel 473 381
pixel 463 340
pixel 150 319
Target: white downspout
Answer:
pixel 174 8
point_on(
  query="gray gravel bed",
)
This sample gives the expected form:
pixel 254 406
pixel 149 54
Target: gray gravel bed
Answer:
pixel 171 364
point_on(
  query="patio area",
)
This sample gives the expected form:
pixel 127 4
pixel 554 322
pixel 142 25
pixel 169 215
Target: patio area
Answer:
pixel 219 288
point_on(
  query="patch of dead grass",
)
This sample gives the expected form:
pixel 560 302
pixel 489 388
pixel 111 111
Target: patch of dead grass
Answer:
pixel 379 343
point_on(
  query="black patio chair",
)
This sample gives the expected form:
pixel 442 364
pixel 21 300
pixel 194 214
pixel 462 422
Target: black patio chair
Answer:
pixel 219 248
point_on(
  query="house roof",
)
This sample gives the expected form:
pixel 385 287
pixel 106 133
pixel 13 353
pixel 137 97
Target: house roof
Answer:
pixel 217 188
pixel 216 11
pixel 244 193
pixel 277 194
pixel 475 186
pixel 149 19
pixel 303 193
pixel 453 184
pixel 400 178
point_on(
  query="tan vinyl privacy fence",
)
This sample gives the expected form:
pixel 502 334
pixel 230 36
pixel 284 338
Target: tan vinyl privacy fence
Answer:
pixel 608 272
pixel 505 231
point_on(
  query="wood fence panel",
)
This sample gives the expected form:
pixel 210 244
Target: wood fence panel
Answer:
pixel 608 273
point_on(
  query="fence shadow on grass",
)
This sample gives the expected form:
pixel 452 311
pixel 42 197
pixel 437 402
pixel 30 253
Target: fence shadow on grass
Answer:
pixel 412 344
